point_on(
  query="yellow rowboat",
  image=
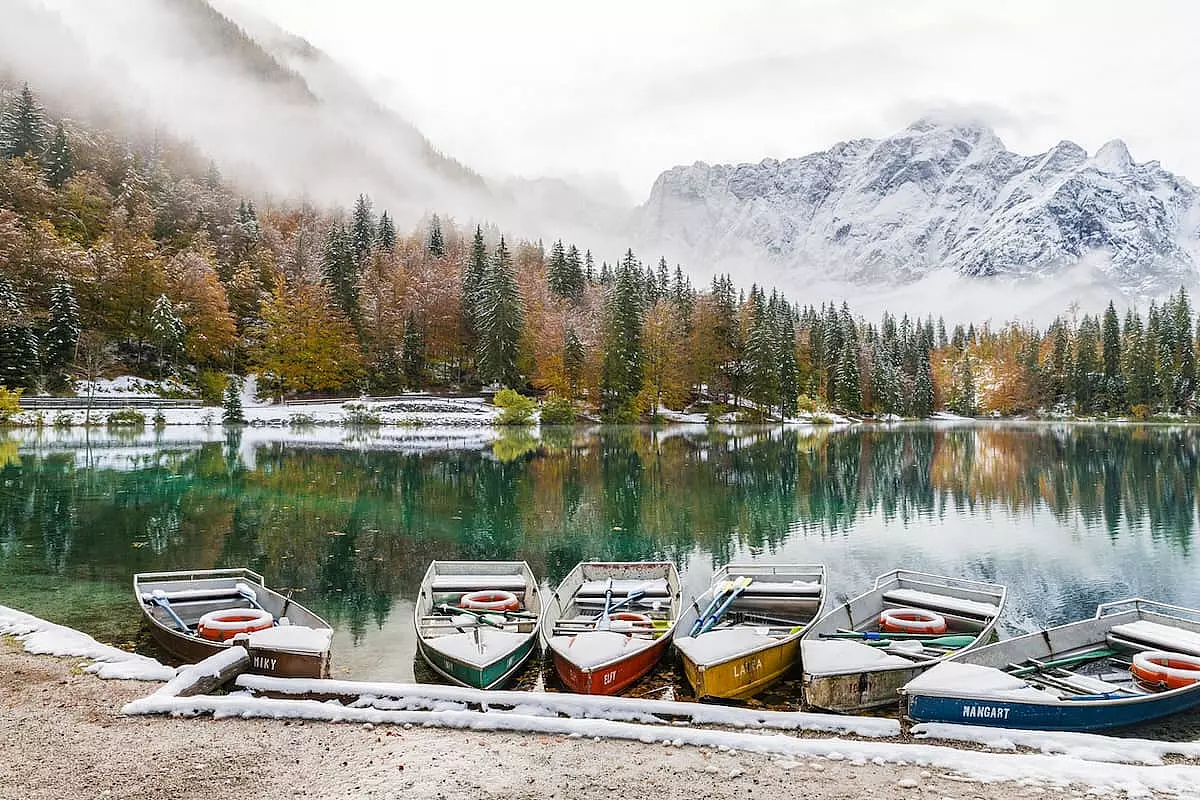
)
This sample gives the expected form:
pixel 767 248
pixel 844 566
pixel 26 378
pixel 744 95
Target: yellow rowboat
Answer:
pixel 755 638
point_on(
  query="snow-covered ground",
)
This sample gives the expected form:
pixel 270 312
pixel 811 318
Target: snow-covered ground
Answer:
pixel 47 638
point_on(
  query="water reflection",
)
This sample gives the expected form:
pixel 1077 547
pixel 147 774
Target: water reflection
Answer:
pixel 1067 515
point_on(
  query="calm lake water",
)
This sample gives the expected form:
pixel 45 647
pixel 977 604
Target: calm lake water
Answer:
pixel 1067 516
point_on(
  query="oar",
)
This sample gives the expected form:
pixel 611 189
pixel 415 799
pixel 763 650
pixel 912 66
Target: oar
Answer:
pixel 953 642
pixel 628 599
pixel 1091 655
pixel 718 595
pixel 449 609
pixel 739 586
pixel 480 616
pixel 604 623
pixel 159 598
pixel 876 635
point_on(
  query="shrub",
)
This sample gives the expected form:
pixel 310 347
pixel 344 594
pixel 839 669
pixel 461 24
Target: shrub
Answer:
pixel 63 419
pixel 211 386
pixel 820 419
pixel 231 413
pixel 516 409
pixel 301 420
pixel 1140 411
pixel 160 420
pixel 806 404
pixel 127 417
pixel 715 412
pixel 360 414
pixel 558 411
pixel 10 403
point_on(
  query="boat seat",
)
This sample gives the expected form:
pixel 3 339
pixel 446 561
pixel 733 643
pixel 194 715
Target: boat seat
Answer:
pixel 941 602
pixel 783 590
pixel 1157 636
pixel 477 583
pixel 653 587
pixel 184 596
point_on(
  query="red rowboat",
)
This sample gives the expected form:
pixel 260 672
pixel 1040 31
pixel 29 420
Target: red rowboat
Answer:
pixel 597 657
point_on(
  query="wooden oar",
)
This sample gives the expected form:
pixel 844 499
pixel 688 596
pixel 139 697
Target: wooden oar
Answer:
pixel 1091 655
pixel 739 586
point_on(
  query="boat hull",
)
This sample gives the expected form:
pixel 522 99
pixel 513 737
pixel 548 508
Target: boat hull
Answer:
pixel 741 676
pixel 610 678
pixel 857 691
pixel 490 676
pixel 1080 715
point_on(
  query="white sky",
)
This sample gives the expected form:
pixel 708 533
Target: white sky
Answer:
pixel 624 89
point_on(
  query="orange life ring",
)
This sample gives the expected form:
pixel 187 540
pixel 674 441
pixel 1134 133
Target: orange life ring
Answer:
pixel 217 626
pixel 490 600
pixel 1172 670
pixel 911 620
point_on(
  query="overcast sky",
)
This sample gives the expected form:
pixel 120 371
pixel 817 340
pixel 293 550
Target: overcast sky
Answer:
pixel 626 88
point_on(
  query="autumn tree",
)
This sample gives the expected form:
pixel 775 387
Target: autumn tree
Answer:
pixel 305 345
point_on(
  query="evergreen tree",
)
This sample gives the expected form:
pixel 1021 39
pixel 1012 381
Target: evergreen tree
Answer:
pixel 437 244
pixel 18 343
pixel 168 332
pixel 556 271
pixel 362 229
pixel 474 274
pixel 1060 362
pixel 785 357
pixel 501 317
pixel 59 161
pixel 942 340
pixel 621 377
pixel 340 270
pixel 1138 349
pixel 23 127
pixel 1088 374
pixel 762 353
pixel 962 399
pixel 62 334
pixel 574 277
pixel 573 360
pixel 385 233
pixel 413 358
pixel 848 386
pixel 606 275
pixel 922 398
pixel 1114 389
pixel 589 268
pixel 231 411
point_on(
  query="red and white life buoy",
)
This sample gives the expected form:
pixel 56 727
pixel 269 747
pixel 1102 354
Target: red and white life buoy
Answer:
pixel 1171 670
pixel 911 620
pixel 491 600
pixel 217 626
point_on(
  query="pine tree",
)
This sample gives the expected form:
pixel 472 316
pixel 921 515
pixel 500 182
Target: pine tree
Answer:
pixel 621 377
pixel 589 268
pixel 18 343
pixel 362 229
pixel 23 127
pixel 556 271
pixel 573 359
pixel 62 334
pixel 848 389
pixel 1114 389
pixel 385 233
pixel 1088 375
pixel 474 274
pixel 500 319
pixel 922 398
pixel 785 357
pixel 573 274
pixel 413 358
pixel 437 244
pixel 340 271
pixel 1139 364
pixel 962 400
pixel 762 352
pixel 231 408
pixel 168 332
pixel 59 163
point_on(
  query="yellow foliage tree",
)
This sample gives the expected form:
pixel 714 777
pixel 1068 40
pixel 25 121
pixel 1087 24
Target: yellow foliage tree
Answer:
pixel 305 344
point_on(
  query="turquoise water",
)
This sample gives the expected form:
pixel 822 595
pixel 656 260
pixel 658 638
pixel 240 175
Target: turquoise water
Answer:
pixel 1067 516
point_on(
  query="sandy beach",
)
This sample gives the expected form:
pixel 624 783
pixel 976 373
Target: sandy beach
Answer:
pixel 64 737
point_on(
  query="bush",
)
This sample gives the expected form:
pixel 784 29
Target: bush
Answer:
pixel 160 420
pixel 558 411
pixel 1140 411
pixel 127 417
pixel 516 409
pixel 301 420
pixel 806 404
pixel 359 414
pixel 10 403
pixel 231 413
pixel 210 384
pixel 64 419
pixel 715 412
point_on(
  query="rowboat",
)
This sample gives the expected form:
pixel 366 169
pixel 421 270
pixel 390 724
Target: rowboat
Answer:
pixel 477 621
pixel 750 636
pixel 858 655
pixel 196 614
pixel 595 654
pixel 1134 661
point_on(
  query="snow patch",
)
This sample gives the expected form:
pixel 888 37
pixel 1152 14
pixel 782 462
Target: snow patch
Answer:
pixel 838 656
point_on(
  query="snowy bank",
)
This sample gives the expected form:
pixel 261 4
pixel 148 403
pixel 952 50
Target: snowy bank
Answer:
pixel 47 638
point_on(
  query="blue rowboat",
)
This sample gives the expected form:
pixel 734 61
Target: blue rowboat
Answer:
pixel 1074 677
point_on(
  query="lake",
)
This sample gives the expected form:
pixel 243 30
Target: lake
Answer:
pixel 1067 515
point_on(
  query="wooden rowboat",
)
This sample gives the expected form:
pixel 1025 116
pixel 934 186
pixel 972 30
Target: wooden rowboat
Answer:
pixel 1074 677
pixel 593 657
pixel 758 637
pixel 293 643
pixel 460 646
pixel 848 666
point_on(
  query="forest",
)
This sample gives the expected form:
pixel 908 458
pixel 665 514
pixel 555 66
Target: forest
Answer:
pixel 123 254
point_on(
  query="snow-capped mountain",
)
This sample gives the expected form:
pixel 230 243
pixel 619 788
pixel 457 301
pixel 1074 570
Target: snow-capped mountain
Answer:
pixel 934 197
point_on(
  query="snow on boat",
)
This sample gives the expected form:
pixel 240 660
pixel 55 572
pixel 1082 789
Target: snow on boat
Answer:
pixel 858 655
pixel 1135 661
pixel 595 656
pixel 194 615
pixel 756 639
pixel 477 621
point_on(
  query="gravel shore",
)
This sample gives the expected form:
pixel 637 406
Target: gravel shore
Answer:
pixel 64 737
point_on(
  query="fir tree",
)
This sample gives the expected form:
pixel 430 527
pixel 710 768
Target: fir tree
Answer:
pixel 18 343
pixel 589 268
pixel 1088 376
pixel 1114 389
pixel 168 331
pixel 621 377
pixel 573 359
pixel 573 272
pixel 385 233
pixel 1138 348
pixel 231 408
pixel 59 163
pixel 848 389
pixel 437 244
pixel 340 271
pixel 500 319
pixel 556 271
pixel 785 357
pixel 62 334
pixel 23 127
pixel 362 229
pixel 413 358
pixel 963 391
pixel 474 274
pixel 762 352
